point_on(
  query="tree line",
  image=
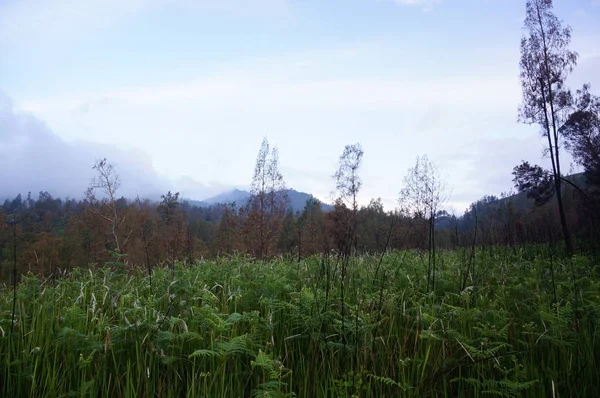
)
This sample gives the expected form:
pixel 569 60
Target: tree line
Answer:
pixel 47 234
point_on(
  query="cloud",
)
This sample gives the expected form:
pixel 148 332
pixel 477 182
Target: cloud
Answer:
pixel 308 105
pixel 33 158
pixel 210 128
pixel 60 21
pixel 426 4
pixel 273 93
pixel 410 2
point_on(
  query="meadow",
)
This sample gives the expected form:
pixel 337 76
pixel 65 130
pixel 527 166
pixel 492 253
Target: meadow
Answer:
pixel 506 322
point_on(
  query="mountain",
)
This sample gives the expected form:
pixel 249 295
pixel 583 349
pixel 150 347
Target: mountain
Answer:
pixel 188 187
pixel 240 197
pixel 520 202
pixel 298 200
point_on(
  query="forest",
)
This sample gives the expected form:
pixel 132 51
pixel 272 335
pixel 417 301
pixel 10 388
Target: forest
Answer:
pixel 109 296
pixel 52 235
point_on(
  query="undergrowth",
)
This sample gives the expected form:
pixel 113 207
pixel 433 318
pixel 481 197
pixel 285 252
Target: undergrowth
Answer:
pixel 234 327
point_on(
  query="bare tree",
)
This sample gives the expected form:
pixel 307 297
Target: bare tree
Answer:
pixel 423 193
pixel 106 184
pixel 545 63
pixel 267 203
pixel 348 184
pixel 172 225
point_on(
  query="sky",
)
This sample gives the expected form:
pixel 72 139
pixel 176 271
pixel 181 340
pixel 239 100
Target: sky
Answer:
pixel 179 94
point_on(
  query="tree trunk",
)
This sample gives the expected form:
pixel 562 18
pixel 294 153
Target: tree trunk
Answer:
pixel 553 146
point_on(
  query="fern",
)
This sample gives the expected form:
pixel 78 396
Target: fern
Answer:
pixel 500 388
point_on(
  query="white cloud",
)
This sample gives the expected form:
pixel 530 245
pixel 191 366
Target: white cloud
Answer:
pixel 426 4
pixel 33 158
pixel 61 21
pixel 397 97
pixel 410 2
pixel 210 128
pixel 274 93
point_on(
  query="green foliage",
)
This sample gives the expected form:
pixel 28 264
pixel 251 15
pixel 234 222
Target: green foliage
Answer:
pixel 233 327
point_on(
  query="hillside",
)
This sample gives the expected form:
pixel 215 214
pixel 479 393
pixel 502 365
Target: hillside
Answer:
pixel 237 196
pixel 240 197
pixel 521 202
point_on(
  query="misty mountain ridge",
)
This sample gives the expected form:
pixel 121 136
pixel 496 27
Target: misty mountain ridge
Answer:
pixel 520 202
pixel 238 196
pixel 297 200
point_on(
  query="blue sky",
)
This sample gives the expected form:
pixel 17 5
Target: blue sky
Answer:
pixel 183 91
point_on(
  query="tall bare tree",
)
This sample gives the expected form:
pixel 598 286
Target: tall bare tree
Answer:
pixel 102 199
pixel 348 184
pixel 420 199
pixel 546 61
pixel 267 204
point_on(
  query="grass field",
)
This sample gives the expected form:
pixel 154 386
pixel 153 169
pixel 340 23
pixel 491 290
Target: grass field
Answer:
pixel 237 328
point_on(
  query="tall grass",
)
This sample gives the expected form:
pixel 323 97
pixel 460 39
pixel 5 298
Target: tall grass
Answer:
pixel 235 328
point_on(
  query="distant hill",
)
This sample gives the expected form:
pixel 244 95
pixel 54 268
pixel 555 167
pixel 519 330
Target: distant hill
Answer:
pixel 298 200
pixel 521 203
pixel 524 204
pixel 240 197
